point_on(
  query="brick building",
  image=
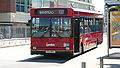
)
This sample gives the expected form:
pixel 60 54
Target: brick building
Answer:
pixel 14 12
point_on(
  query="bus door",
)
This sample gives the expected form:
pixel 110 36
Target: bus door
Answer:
pixel 76 35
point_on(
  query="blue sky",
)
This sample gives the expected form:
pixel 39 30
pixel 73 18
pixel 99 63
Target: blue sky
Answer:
pixel 99 5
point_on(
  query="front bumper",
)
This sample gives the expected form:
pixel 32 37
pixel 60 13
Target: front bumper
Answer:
pixel 52 52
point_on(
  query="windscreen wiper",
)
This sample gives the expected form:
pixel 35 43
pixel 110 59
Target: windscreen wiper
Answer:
pixel 58 35
pixel 44 34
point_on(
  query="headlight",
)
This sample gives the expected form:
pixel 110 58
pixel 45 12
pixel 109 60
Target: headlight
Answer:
pixel 34 48
pixel 67 48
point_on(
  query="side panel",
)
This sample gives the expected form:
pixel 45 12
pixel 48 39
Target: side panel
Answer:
pixel 99 37
pixel 88 40
pixel 90 32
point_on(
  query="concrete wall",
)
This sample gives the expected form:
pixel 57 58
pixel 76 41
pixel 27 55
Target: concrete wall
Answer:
pixel 20 17
pixel 81 5
pixel 5 17
pixel 14 17
pixel 62 3
pixel 76 4
pixel 110 0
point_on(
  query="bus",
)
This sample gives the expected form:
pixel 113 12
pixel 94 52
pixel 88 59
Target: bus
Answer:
pixel 64 31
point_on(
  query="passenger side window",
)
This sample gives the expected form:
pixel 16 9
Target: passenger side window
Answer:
pixel 86 26
pixel 92 25
pixel 81 25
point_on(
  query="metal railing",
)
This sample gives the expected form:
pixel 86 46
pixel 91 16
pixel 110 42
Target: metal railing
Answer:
pixel 14 35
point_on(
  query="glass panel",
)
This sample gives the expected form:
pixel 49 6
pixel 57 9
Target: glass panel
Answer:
pixel 28 9
pixel 51 4
pixel 41 27
pixel 28 2
pixel 18 1
pixel 22 2
pixel 23 5
pixel 86 21
pixel 87 26
pixel 81 25
pixel 37 3
pixel 97 24
pixel 81 30
pixel 51 27
pixel 87 29
pixel 100 25
pixel 61 27
pixel 22 8
pixel 18 8
pixel 46 3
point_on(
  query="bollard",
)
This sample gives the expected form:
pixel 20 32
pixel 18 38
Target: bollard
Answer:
pixel 101 62
pixel 83 64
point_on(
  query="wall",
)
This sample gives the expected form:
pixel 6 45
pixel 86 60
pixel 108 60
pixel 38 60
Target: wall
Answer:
pixel 5 17
pixel 62 3
pixel 7 6
pixel 14 17
pixel 20 17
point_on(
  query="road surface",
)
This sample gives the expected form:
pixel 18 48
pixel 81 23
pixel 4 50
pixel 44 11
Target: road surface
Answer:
pixel 19 57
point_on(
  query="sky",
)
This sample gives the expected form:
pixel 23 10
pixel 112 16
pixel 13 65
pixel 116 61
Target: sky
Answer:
pixel 99 5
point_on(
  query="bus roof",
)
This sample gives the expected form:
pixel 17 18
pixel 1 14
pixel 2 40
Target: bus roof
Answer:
pixel 87 11
pixel 74 9
pixel 69 12
pixel 52 8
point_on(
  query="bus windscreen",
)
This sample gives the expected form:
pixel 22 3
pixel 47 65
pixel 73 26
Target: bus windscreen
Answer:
pixel 51 27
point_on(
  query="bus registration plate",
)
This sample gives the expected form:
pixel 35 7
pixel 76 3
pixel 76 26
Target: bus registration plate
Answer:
pixel 50 51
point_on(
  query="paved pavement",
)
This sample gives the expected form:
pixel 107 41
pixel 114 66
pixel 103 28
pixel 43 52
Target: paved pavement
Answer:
pixel 92 58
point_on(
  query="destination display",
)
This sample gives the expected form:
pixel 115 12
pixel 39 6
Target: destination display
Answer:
pixel 51 12
pixel 115 28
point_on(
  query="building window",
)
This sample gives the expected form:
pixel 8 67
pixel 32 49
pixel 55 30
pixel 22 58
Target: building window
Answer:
pixel 87 1
pixel 18 8
pixel 23 5
pixel 22 8
pixel 42 3
pixel 37 3
pixel 22 2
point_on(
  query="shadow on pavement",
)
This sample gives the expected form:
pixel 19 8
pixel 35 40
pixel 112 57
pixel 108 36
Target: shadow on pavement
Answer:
pixel 113 65
pixel 111 57
pixel 51 58
pixel 46 59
